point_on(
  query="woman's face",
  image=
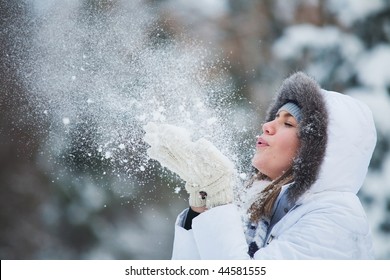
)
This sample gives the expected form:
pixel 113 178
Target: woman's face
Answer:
pixel 277 146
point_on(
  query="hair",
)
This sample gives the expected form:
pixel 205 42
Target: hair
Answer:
pixel 262 207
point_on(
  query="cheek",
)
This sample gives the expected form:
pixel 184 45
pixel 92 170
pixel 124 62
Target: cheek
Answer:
pixel 291 147
pixel 288 150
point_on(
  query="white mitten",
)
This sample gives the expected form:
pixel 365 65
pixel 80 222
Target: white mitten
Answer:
pixel 209 175
pixel 212 174
pixel 170 146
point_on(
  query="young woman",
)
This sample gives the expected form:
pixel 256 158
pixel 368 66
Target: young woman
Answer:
pixel 312 158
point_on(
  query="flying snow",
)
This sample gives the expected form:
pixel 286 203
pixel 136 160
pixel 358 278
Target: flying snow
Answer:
pixel 99 79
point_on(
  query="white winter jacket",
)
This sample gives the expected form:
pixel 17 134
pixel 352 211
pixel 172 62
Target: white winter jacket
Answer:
pixel 327 222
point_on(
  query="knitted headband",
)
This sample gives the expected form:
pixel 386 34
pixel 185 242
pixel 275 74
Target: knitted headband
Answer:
pixel 293 109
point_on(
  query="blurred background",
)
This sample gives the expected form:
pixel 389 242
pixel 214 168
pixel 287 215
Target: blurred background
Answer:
pixel 79 79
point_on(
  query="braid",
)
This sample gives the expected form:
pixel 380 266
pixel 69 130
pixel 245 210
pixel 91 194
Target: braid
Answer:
pixel 263 206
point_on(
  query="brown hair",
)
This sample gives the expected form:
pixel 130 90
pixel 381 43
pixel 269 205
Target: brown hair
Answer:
pixel 263 205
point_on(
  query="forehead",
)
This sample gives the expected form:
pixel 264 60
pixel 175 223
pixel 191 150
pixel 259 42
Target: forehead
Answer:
pixel 285 115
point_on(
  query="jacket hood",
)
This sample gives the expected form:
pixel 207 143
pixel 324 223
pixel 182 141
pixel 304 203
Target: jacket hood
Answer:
pixel 351 142
pixel 337 136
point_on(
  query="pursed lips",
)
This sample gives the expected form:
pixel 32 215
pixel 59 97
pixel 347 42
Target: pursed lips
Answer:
pixel 261 142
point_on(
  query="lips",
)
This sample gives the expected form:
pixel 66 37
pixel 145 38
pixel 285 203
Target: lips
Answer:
pixel 261 142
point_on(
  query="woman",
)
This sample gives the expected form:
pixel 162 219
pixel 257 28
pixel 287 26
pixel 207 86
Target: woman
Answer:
pixel 312 158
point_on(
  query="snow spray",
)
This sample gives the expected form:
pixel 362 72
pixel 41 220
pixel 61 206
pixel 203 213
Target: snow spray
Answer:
pixel 97 75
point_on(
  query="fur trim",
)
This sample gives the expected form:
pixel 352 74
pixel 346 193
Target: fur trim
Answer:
pixel 306 93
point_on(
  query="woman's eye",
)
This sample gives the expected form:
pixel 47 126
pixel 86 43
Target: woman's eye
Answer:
pixel 288 124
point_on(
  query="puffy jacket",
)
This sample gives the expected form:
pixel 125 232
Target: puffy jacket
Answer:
pixel 327 221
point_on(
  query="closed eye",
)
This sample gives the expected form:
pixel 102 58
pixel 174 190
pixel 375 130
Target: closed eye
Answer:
pixel 286 119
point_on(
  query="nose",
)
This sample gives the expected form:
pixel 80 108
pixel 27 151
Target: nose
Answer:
pixel 268 128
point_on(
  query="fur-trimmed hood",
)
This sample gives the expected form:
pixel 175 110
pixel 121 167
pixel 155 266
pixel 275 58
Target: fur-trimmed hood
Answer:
pixel 337 135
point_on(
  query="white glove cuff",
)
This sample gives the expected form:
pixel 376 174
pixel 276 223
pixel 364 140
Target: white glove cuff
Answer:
pixel 219 192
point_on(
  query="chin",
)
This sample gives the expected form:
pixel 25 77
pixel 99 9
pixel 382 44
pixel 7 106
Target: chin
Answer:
pixel 256 164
